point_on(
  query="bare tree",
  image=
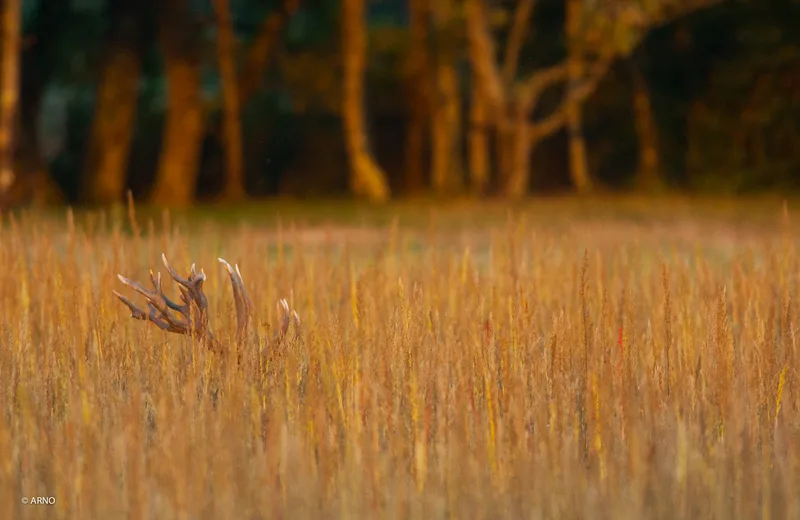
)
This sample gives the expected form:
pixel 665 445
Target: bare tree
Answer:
pixel 367 179
pixel 191 316
pixel 600 32
pixel 12 20
pixel 510 101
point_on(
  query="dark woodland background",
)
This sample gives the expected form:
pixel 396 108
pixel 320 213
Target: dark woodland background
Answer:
pixel 183 101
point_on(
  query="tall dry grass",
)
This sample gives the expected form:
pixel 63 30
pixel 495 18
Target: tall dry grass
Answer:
pixel 603 372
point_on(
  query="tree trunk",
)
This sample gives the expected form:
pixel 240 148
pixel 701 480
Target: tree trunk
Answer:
pixel 504 139
pixel 12 21
pixel 418 97
pixel 579 169
pixel 367 179
pixel 232 129
pixel 494 105
pixel 527 135
pixel 512 102
pixel 184 130
pixel 36 186
pixel 521 144
pixel 648 175
pixel 447 167
pixel 479 169
pixel 111 135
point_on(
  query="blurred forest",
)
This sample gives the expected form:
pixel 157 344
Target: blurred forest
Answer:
pixel 181 101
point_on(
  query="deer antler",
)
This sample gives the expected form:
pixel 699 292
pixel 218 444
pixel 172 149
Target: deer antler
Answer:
pixel 194 310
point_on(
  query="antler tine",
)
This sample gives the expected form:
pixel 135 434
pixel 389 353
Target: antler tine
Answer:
pixel 152 296
pixel 244 293
pixel 242 301
pixel 193 276
pixel 183 309
pixel 159 313
pixel 287 316
pixel 297 322
pixel 193 292
pixel 139 314
pixel 136 312
pixel 174 274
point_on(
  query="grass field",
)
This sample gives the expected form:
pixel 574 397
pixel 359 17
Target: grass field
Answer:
pixel 601 359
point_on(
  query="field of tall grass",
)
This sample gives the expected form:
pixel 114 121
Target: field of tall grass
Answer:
pixel 527 366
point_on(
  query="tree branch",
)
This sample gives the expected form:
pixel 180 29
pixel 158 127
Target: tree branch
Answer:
pixel 530 90
pixel 516 37
pixel 482 54
pixel 258 52
pixel 558 118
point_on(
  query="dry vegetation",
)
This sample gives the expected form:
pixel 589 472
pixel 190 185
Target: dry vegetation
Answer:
pixel 522 371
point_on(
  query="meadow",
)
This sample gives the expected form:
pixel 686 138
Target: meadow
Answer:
pixel 556 360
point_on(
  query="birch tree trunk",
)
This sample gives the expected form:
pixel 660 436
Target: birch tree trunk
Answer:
pixel 113 124
pixel 234 189
pixel 176 178
pixel 367 179
pixel 12 21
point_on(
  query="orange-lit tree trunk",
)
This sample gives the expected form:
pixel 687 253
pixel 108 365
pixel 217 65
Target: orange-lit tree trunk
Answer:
pixel 367 179
pixel 232 129
pixel 12 20
pixel 111 134
pixel 239 86
pixel 578 164
pixel 648 175
pixel 479 164
pixel 488 109
pixel 178 165
pixel 447 163
pixel 511 144
pixel 418 96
